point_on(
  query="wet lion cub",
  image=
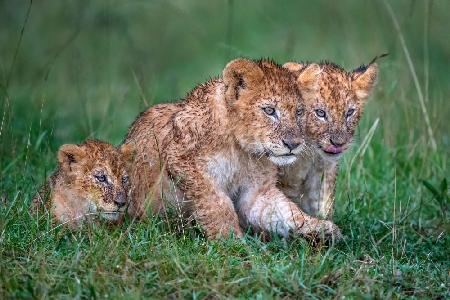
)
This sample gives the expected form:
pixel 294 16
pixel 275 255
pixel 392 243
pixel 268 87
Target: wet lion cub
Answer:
pixel 221 147
pixel 332 117
pixel 91 179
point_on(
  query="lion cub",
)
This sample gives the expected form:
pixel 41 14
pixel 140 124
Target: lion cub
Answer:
pixel 91 179
pixel 221 147
pixel 331 120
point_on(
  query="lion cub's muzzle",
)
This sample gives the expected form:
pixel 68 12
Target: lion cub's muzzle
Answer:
pixel 291 144
pixel 120 200
pixel 335 146
pixel 286 153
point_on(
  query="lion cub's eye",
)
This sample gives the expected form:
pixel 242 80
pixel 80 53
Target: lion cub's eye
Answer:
pixel 349 113
pixel 270 111
pixel 125 179
pixel 299 111
pixel 320 113
pixel 101 178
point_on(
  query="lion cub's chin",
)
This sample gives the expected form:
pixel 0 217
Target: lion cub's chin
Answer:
pixel 283 160
pixel 332 158
pixel 111 216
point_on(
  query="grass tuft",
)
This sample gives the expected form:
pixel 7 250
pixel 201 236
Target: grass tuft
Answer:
pixel 70 70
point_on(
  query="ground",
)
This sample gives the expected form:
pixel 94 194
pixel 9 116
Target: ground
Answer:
pixel 72 70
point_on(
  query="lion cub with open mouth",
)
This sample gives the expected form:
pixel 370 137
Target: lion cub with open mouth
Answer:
pixel 332 116
pixel 91 179
pixel 221 147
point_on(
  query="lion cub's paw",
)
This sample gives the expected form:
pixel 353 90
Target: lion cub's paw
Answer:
pixel 323 231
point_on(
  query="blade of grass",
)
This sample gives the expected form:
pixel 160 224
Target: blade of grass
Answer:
pixel 413 73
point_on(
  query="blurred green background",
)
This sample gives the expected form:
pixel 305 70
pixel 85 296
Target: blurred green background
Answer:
pixel 91 66
pixel 74 69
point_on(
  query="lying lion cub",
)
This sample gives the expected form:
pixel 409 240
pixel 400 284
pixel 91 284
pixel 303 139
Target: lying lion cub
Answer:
pixel 221 147
pixel 332 117
pixel 91 179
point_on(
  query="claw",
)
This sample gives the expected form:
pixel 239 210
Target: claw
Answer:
pixel 324 231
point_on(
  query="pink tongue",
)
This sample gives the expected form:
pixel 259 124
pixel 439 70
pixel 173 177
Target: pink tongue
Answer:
pixel 333 149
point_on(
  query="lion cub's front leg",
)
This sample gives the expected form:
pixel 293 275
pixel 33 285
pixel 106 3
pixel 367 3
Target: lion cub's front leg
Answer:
pixel 311 184
pixel 268 209
pixel 317 198
pixel 211 208
pixel 325 205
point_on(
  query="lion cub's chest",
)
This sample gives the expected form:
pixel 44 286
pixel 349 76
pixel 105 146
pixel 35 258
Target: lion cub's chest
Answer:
pixel 298 171
pixel 304 176
pixel 231 172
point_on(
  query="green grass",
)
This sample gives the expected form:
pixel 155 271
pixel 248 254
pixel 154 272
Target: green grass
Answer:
pixel 86 69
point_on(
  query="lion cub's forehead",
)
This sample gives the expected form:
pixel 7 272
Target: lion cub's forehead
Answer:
pixel 335 86
pixel 279 85
pixel 104 156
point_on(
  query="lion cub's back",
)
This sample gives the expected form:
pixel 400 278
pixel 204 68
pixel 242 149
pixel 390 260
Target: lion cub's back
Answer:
pixel 156 123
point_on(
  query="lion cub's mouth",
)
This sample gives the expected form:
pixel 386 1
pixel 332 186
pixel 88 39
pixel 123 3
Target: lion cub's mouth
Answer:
pixel 285 155
pixel 333 150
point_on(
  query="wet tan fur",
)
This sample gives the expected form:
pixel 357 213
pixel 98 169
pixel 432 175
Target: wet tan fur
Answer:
pixel 219 149
pixel 310 181
pixel 73 195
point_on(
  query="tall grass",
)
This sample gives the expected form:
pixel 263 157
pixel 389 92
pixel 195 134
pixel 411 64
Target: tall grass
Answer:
pixel 70 70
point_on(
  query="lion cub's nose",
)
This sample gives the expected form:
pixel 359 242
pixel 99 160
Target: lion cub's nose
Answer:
pixel 120 200
pixel 337 142
pixel 291 144
pixel 120 203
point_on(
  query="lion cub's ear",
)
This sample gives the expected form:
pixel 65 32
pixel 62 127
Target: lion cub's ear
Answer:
pixel 364 79
pixel 308 76
pixel 240 74
pixel 70 154
pixel 128 151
